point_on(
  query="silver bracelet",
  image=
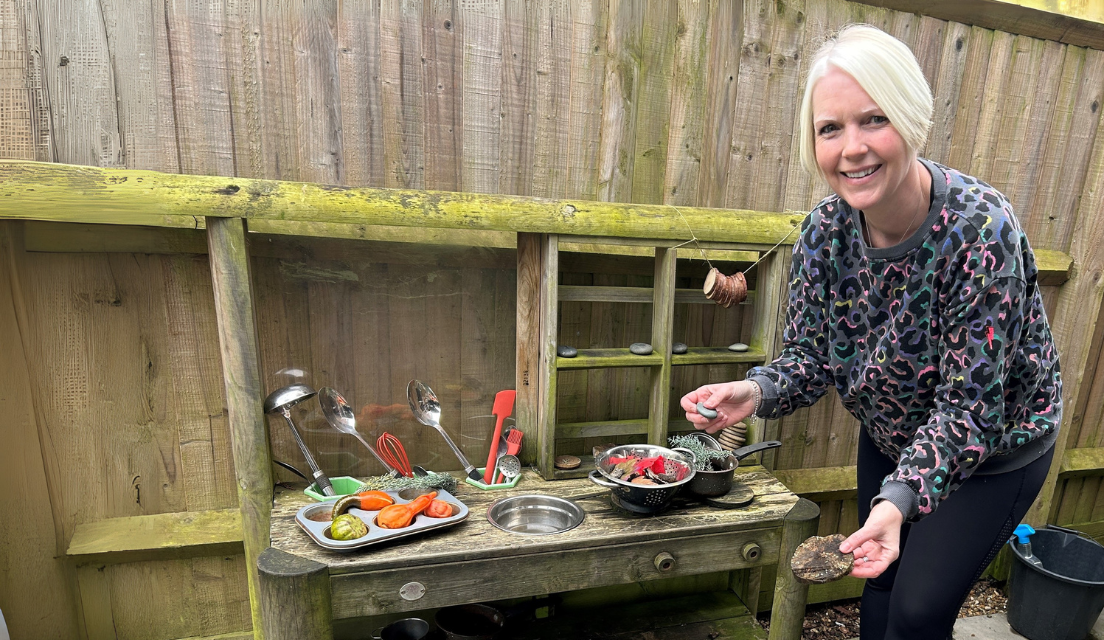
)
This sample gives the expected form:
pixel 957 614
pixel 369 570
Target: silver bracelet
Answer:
pixel 757 391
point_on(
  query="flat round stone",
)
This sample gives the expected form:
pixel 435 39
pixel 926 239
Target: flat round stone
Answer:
pixel 640 348
pixel 567 462
pixel 738 347
pixel 679 348
pixel 818 560
pixel 705 412
pixel 565 351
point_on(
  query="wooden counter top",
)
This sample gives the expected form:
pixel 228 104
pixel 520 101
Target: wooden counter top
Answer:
pixel 476 539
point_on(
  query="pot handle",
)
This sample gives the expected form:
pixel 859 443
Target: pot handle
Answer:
pixel 743 452
pixel 601 482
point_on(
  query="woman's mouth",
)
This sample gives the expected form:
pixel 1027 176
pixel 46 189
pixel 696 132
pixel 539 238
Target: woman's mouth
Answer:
pixel 855 175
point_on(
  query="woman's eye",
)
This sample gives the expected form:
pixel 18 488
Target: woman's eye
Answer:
pixel 878 120
pixel 826 129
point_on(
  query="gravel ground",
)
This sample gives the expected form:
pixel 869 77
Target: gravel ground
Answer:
pixel 840 620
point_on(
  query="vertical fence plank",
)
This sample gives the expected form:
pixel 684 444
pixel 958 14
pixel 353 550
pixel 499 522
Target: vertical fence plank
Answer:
pixel 619 101
pixel 588 54
pixel 653 100
pixel 481 24
pixel 688 100
pixel 519 51
pixel 358 68
pixel 242 378
pixel 723 70
pixel 444 81
pixel 401 78
pixel 551 22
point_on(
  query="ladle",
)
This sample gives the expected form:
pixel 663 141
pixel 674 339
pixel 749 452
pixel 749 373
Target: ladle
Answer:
pixel 342 417
pixel 427 410
pixel 280 402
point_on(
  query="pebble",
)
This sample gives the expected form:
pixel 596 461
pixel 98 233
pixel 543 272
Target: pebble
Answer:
pixel 679 348
pixel 818 560
pixel 705 412
pixel 567 462
pixel 738 347
pixel 640 348
pixel 565 351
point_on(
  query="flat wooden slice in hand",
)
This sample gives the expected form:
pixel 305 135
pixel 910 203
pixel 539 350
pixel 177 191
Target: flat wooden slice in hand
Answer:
pixel 818 560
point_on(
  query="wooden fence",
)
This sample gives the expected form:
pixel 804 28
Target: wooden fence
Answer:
pixel 116 404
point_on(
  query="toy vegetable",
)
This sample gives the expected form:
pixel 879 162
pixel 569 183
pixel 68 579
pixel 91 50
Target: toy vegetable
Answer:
pixel 365 500
pixel 398 516
pixel 348 527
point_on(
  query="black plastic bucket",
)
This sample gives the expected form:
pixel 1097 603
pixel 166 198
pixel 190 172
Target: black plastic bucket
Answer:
pixel 1061 600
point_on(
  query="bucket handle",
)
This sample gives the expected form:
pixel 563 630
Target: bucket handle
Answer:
pixel 1070 531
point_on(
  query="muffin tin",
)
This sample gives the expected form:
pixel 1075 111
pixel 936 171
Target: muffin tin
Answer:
pixel 320 531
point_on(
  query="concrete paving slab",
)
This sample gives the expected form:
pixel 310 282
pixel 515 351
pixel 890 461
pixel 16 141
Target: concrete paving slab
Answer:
pixel 995 627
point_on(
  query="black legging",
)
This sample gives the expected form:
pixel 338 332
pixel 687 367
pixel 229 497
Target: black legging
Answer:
pixel 942 556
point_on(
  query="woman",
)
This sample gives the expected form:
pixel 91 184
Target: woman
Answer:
pixel 914 294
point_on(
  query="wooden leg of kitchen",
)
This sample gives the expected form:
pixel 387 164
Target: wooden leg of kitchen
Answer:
pixel 295 597
pixel 789 594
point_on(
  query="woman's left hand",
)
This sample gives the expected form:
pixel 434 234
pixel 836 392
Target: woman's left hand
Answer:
pixel 877 544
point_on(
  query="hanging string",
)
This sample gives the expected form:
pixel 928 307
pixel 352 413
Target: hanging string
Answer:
pixel 727 290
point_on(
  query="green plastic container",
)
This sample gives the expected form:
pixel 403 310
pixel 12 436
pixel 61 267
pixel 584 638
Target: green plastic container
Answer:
pixel 342 486
pixel 491 487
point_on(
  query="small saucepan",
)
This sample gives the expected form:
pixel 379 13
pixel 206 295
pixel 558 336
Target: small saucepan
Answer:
pixel 717 481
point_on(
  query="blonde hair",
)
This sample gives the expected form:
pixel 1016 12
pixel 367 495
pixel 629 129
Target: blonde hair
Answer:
pixel 886 69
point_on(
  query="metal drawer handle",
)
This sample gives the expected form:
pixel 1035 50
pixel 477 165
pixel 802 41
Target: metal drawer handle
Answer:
pixel 664 561
pixel 751 552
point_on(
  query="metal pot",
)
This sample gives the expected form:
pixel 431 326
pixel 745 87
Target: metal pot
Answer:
pixel 642 498
pixel 718 480
pixel 406 629
pixel 470 622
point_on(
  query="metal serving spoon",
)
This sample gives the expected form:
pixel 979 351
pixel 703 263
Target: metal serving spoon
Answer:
pixel 342 417
pixel 427 410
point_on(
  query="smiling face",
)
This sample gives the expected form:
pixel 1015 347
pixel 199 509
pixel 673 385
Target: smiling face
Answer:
pixel 864 159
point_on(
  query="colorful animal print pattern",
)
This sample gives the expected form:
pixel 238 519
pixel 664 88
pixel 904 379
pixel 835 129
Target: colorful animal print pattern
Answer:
pixel 941 350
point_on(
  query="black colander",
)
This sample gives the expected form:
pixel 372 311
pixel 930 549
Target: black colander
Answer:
pixel 644 498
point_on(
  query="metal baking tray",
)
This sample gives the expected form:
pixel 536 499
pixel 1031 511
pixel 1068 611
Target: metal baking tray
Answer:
pixel 319 531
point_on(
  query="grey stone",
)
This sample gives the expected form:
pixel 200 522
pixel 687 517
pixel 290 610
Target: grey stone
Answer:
pixel 818 560
pixel 640 348
pixel 706 413
pixel 565 351
pixel 679 348
pixel 738 347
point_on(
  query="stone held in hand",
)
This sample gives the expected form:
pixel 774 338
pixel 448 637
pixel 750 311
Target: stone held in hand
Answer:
pixel 818 560
pixel 705 412
pixel 640 348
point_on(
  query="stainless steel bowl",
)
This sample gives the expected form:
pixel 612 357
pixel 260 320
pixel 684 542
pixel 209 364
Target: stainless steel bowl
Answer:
pixel 535 515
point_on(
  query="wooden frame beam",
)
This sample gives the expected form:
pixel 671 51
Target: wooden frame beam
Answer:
pixel 68 193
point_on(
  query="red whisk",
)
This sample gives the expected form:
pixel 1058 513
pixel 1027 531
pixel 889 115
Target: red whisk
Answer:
pixel 391 449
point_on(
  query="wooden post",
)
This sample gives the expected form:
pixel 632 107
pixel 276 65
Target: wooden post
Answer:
pixel 241 376
pixel 549 330
pixel 789 594
pixel 771 295
pixel 295 597
pixel 528 335
pixel 663 319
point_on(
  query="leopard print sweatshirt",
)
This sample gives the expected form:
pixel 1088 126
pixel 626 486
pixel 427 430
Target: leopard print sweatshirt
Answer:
pixel 939 345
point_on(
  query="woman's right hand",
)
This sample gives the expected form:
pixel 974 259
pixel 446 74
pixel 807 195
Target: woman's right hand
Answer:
pixel 733 401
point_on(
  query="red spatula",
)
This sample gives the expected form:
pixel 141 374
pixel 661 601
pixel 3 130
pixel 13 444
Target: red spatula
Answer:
pixel 503 407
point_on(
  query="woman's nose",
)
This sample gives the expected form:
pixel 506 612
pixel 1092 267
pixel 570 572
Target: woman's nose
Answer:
pixel 854 144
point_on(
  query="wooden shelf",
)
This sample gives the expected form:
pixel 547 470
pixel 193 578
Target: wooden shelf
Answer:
pixel 717 355
pixel 608 359
pixel 158 537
